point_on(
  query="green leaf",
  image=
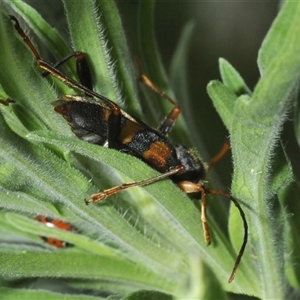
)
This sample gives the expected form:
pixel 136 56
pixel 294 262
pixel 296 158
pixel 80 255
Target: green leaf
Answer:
pixel 223 99
pixel 290 197
pixel 82 19
pixel 25 294
pixel 151 64
pixel 260 167
pixel 148 295
pixel 147 238
pixel 278 35
pixel 150 231
pixel 74 266
pixel 49 35
pixel 179 82
pixel 297 122
pixel 108 52
pixel 122 59
pixel 32 91
pixel 232 79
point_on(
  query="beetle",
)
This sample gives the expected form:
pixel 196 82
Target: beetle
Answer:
pixel 96 119
pixel 50 222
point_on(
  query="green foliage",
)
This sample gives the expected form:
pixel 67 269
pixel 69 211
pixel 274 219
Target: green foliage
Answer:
pixel 255 122
pixel 144 243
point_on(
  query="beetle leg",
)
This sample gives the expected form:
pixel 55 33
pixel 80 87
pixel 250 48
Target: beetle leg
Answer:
pixel 170 120
pixel 219 155
pixel 114 190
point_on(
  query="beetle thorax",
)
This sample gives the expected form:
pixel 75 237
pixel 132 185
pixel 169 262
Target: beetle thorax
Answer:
pixel 195 170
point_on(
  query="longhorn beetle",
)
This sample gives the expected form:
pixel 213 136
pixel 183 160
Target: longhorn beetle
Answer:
pixel 98 120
